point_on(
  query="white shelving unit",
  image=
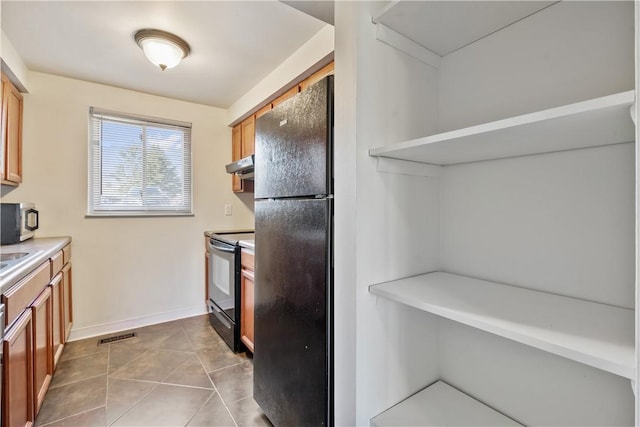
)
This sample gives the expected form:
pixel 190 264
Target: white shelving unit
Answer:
pixel 595 334
pixel 441 405
pixel 596 122
pixel 468 63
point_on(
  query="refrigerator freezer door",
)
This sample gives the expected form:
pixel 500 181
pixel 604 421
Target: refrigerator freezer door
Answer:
pixel 292 361
pixel 293 143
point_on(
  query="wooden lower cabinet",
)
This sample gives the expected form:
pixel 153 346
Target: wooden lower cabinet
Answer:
pixel 57 310
pixel 17 395
pixel 42 346
pixel 67 300
pixel 247 301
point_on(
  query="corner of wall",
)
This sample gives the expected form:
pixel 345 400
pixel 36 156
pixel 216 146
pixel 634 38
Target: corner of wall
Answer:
pixel 12 64
pixel 311 56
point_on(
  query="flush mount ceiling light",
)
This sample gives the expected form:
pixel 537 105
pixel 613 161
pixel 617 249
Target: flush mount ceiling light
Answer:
pixel 163 49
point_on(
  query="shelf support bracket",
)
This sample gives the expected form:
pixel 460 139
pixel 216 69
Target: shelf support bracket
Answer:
pixel 633 387
pixel 632 111
pixel 404 167
pixel 396 40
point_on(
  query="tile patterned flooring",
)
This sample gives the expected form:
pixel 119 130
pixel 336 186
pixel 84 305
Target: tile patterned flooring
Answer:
pixel 177 373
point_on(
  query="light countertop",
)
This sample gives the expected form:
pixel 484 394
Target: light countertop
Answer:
pixel 248 244
pixel 39 249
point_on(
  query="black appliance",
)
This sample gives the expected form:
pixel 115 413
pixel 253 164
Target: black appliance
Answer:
pixel 223 284
pixel 18 222
pixel 293 331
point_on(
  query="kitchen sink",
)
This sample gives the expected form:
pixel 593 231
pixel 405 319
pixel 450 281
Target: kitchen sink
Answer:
pixel 11 259
pixel 10 256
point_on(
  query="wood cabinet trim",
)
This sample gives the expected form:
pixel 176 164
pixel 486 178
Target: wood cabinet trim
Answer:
pixel 66 254
pixel 23 293
pixel 11 124
pixel 22 326
pixel 57 314
pixel 41 317
pixel 57 261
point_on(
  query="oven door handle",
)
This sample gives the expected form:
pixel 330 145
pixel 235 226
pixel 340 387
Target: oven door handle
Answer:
pixel 222 248
pixel 219 315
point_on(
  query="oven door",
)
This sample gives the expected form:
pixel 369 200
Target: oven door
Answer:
pixel 222 280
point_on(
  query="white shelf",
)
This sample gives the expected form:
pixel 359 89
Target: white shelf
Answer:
pixel 444 27
pixel 441 405
pixel 597 335
pixel 596 122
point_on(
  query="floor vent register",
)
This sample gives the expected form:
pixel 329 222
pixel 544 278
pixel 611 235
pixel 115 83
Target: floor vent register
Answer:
pixel 117 338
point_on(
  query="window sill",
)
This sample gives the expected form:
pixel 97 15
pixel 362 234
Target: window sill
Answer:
pixel 138 215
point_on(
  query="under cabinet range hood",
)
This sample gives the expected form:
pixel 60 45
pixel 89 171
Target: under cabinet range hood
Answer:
pixel 243 167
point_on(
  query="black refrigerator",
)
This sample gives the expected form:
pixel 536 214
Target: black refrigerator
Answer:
pixel 293 359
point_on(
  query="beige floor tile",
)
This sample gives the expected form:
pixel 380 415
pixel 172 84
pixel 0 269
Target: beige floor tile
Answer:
pixel 123 395
pixel 190 373
pixel 166 405
pixel 124 353
pixel 80 368
pixel 93 418
pixel 235 382
pixel 177 341
pixel 73 399
pixel 155 336
pixel 218 356
pixel 246 412
pixel 212 414
pixel 153 365
pixel 82 348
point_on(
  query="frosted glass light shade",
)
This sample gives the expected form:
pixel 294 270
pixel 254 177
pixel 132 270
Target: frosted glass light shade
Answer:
pixel 163 49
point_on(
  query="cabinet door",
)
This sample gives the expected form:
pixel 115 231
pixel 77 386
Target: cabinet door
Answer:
pixel 236 154
pixel 17 396
pixel 317 76
pixel 13 133
pixel 288 94
pixel 57 310
pixel 67 300
pixel 248 136
pixel 246 309
pixel 42 347
pixel 264 110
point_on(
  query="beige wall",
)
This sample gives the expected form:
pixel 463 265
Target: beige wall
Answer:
pixel 126 271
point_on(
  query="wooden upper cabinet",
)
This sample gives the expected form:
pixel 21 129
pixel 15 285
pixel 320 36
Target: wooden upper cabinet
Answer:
pixel 244 134
pixel 11 133
pixel 288 94
pixel 264 110
pixel 236 154
pixel 242 145
pixel 248 136
pixel 317 76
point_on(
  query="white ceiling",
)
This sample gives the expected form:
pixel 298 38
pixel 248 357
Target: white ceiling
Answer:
pixel 234 44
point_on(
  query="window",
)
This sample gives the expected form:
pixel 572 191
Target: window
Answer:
pixel 138 165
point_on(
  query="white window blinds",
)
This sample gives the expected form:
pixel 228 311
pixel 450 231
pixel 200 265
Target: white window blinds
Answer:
pixel 138 165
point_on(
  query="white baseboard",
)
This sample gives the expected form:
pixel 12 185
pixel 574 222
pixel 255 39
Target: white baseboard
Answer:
pixel 123 325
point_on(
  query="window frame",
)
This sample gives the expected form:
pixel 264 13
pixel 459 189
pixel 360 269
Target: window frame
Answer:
pixel 95 209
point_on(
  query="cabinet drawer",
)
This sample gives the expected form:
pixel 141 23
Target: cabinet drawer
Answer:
pixel 247 260
pixel 66 254
pixel 56 263
pixel 25 291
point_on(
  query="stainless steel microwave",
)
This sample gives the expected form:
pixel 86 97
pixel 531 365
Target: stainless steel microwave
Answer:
pixel 19 221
